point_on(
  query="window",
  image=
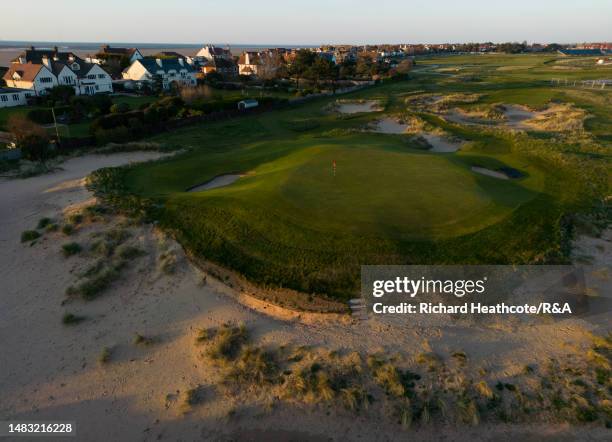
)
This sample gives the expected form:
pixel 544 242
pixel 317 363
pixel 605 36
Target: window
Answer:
pixel 15 97
pixel 100 75
pixel 3 98
pixel 46 80
pixel 67 79
pixel 97 87
pixel 91 76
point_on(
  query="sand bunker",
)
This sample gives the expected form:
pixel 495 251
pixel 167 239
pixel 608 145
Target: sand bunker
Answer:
pixel 517 115
pixel 503 173
pixel 441 144
pixel 218 181
pixel 391 126
pixel 355 107
pixel 490 172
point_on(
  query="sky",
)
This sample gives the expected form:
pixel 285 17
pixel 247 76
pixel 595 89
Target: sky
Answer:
pixel 309 22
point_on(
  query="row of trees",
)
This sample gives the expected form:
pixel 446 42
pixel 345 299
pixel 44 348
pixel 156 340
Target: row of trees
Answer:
pixel 310 66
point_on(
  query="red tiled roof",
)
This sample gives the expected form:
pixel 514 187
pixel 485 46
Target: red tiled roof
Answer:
pixel 26 71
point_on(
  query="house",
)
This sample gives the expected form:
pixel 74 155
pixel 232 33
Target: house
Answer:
pixel 36 78
pixel 211 53
pixel 167 70
pixel 226 68
pixel 43 69
pixel 247 104
pixel 168 54
pixel 106 52
pixel 10 97
pixel 249 63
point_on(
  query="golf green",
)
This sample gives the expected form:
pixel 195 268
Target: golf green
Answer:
pixel 296 221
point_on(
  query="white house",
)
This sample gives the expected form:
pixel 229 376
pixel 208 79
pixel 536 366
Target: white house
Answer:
pixel 14 97
pixel 34 77
pixel 40 70
pixel 211 52
pixel 168 70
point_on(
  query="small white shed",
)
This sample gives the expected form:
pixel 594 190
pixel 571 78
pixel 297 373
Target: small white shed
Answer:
pixel 247 104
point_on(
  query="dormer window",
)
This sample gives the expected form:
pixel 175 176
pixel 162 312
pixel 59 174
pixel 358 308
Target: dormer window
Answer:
pixel 75 66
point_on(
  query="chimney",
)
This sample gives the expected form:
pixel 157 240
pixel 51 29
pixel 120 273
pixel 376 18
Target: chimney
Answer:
pixel 31 48
pixel 159 62
pixel 46 62
pixel 181 62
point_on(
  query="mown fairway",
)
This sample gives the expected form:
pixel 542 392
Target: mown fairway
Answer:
pixel 291 222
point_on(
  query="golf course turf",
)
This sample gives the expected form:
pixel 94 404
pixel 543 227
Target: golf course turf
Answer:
pixel 293 222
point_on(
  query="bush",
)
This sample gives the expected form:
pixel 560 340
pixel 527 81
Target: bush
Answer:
pixel 44 222
pixel 61 94
pixel 30 137
pixel 227 342
pixel 143 340
pixel 129 252
pixel 96 284
pixel 119 108
pixel 71 248
pixel 29 235
pixel 41 116
pixel 117 135
pixel 105 355
pixel 71 319
pixel 67 229
pixel 75 218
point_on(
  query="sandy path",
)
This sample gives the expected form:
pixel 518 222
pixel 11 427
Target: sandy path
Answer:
pixel 50 371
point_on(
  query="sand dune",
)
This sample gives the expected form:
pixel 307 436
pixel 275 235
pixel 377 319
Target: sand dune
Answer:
pixel 51 370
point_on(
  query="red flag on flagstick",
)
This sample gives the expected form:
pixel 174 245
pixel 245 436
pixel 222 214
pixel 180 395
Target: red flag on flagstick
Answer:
pixel 334 167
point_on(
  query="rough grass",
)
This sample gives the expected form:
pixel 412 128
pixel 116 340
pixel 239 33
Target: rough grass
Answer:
pixel 227 342
pixel 399 393
pixel 71 248
pixel 105 355
pixel 29 235
pixel 44 222
pixel 143 340
pixel 72 319
pixel 97 279
pixel 68 229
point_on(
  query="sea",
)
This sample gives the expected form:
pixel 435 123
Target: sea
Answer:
pixel 9 50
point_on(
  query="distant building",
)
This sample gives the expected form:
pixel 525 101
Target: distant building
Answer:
pixel 582 52
pixel 249 63
pixel 167 70
pixel 168 54
pixel 106 52
pixel 10 97
pixel 42 69
pixel 222 66
pixel 211 52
